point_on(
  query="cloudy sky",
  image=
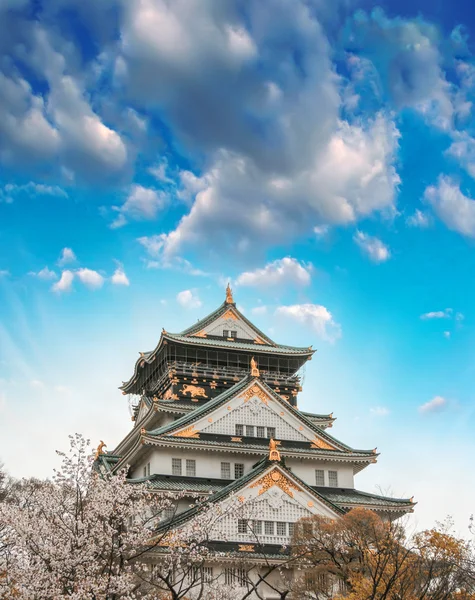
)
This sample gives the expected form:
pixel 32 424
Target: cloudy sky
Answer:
pixel 320 156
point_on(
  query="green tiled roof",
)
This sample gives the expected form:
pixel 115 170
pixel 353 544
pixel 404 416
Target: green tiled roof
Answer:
pixel 316 416
pixel 348 496
pixel 238 345
pixel 172 483
pixel 246 446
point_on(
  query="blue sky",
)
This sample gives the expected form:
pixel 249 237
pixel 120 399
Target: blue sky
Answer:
pixel 322 159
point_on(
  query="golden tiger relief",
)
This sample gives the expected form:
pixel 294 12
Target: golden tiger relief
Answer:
pixel 194 391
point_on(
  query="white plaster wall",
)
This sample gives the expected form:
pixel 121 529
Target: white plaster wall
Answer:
pixel 208 464
pixel 305 469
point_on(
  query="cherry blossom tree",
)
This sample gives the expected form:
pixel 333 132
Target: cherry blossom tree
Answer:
pixel 82 535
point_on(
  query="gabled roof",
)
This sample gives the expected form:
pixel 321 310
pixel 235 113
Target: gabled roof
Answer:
pixel 238 484
pixel 220 312
pixel 211 405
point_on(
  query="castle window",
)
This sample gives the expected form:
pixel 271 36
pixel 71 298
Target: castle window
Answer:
pixel 176 466
pixel 269 527
pixel 250 430
pixel 333 478
pixel 281 528
pixel 238 470
pixel 257 527
pixel 319 477
pixel 242 525
pixel 190 468
pixel 233 334
pixel 261 432
pixel 146 470
pixel 291 528
pixel 225 470
pixel 239 430
pixel 208 574
pixel 271 432
pixel 226 333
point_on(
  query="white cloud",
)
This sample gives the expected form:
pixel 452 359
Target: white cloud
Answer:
pixel 91 279
pixel 12 190
pixel 284 271
pixel 188 299
pixel 438 314
pixel 372 246
pixel 36 383
pixel 316 317
pixel 447 334
pixel 119 277
pixel 459 316
pixel 141 204
pixel 437 404
pixel 45 274
pixel 67 256
pixel 379 411
pixel 418 219
pixel 321 231
pixel 259 310
pixel 64 283
pixel 455 209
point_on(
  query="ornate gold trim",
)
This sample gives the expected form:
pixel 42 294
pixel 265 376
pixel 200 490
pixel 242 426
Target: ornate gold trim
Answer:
pixel 255 390
pixel 236 439
pixel 200 334
pixel 246 548
pixel 318 443
pixel 229 295
pixel 259 340
pixel 275 477
pixel 189 432
pixel 229 314
pixel 274 454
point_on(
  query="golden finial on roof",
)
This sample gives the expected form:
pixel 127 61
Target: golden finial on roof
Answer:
pixel 411 499
pixel 254 368
pixel 100 450
pixel 274 454
pixel 229 295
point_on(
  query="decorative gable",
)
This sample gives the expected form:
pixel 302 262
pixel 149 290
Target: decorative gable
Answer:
pixel 274 496
pixel 143 410
pixel 229 321
pixel 256 407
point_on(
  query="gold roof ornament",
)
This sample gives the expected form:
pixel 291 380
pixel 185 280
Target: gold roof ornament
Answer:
pixel 229 295
pixel 254 368
pixel 100 450
pixel 274 454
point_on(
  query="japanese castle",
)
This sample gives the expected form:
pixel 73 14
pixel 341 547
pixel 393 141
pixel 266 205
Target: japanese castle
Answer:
pixel 216 414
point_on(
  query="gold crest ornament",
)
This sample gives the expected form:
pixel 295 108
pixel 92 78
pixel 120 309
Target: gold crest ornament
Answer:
pixel 100 450
pixel 274 454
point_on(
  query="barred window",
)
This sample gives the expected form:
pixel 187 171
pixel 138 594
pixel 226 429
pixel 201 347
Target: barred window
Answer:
pixel 281 528
pixel 250 430
pixel 239 429
pixel 229 576
pixel 235 576
pixel 190 467
pixel 291 528
pixel 269 527
pixel 261 432
pixel 207 574
pixel 333 478
pixel 238 470
pixel 176 466
pixel 242 525
pixel 271 432
pixel 225 470
pixel 319 477
pixel 257 527
pixel 169 513
pixel 225 333
pixel 233 334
